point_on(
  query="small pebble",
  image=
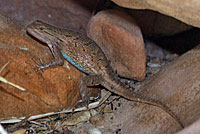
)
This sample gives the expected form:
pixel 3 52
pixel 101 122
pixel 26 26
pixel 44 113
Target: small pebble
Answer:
pixel 94 131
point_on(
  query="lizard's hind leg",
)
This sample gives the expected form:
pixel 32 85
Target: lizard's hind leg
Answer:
pixel 88 81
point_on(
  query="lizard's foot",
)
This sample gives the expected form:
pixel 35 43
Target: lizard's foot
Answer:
pixel 39 65
pixel 91 80
pixel 94 97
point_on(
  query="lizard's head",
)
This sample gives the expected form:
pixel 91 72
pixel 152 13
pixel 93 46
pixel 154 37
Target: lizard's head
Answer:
pixel 42 31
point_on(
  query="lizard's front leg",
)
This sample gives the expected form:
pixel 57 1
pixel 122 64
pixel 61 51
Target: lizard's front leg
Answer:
pixel 87 81
pixel 57 55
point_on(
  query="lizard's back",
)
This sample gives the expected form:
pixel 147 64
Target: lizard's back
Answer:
pixel 85 53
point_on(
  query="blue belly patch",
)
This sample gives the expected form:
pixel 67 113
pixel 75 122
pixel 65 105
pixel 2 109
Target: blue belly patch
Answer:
pixel 73 63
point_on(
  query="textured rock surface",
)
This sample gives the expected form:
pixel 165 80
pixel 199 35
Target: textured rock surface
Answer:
pixel 184 10
pixel 121 40
pixel 47 91
pixel 178 86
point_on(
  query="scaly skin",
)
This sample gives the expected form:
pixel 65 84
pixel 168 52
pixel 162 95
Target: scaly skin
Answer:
pixel 85 54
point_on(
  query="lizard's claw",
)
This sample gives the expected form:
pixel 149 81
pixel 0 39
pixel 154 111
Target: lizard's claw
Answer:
pixel 39 65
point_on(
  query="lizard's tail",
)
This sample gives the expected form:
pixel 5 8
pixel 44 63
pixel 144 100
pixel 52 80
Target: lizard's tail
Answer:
pixel 116 86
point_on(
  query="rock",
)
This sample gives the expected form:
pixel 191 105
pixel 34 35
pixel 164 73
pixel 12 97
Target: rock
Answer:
pixel 178 86
pixel 185 10
pixel 48 91
pixel 19 131
pixel 192 129
pixel 94 131
pixel 121 39
pixel 66 13
pixel 158 24
pixel 153 50
pixel 77 14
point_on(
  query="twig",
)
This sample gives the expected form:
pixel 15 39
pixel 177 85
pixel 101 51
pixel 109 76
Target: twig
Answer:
pixel 12 84
pixel 8 82
pixel 4 67
pixel 90 106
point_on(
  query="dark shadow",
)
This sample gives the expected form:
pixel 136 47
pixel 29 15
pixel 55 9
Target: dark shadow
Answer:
pixel 181 42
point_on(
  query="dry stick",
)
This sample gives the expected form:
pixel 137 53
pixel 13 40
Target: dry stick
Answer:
pixel 8 82
pixel 4 67
pixel 90 106
pixel 108 103
pixel 18 125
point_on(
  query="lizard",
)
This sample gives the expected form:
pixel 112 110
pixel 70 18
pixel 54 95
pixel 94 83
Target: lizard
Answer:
pixel 83 53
